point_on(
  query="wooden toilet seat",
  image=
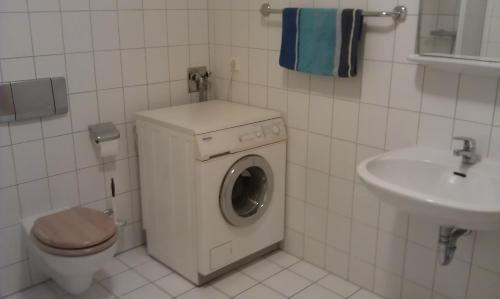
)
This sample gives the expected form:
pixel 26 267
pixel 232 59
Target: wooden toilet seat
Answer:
pixel 74 232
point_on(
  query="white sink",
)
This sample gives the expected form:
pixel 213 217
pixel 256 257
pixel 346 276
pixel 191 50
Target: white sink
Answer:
pixel 421 181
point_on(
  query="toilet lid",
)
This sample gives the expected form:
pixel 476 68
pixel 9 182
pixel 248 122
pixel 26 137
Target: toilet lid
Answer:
pixel 74 228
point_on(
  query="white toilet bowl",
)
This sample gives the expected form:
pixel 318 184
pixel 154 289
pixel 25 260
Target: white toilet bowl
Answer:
pixel 72 268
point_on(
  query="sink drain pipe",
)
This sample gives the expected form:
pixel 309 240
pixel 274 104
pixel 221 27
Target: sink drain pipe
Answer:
pixel 448 237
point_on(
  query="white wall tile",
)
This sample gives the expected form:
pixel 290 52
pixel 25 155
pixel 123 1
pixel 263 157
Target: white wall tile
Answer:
pixel 131 24
pixel 30 161
pixel 440 92
pixel 372 125
pixel 320 114
pixel 483 284
pixel 8 174
pixel 10 212
pixel 136 100
pixel 86 112
pixel 105 30
pixel 318 152
pixel 108 69
pixel 452 279
pixel 343 159
pixel 46 33
pixel 60 154
pixel 317 188
pixel 91 182
pixel 77 33
pixel 363 242
pixel 81 75
pixel 34 197
pixel 18 69
pixel 406 86
pixel 298 103
pixel 179 61
pixel 338 232
pixel 376 82
pixel 337 262
pixel 157 64
pixel 435 131
pixel 134 67
pixel 111 106
pixel 365 206
pixel 155 28
pixel 64 190
pixel 341 196
pixel 74 4
pixel 402 129
pixel 11 251
pixel 22 131
pixel 345 120
pixel 15 43
pixel 178 27
pixel 476 99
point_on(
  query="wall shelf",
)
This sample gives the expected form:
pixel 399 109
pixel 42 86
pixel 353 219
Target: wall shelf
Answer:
pixel 465 66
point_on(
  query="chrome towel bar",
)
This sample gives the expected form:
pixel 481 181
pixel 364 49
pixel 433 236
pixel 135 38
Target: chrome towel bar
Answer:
pixel 398 13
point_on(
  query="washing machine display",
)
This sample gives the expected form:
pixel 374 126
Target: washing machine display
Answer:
pixel 246 191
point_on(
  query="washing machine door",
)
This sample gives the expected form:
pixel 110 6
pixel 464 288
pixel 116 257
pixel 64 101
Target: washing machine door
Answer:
pixel 246 191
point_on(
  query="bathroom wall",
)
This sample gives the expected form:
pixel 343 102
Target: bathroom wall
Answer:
pixel 332 220
pixel 118 57
pixel 491 41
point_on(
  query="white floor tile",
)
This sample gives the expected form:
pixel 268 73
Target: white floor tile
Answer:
pixel 174 284
pixel 260 292
pixel 282 258
pixel 38 292
pixel 135 257
pixel 206 292
pixel 316 292
pixel 149 291
pixel 261 270
pixel 363 294
pixel 234 283
pixel 308 271
pixel 338 285
pixel 95 292
pixel 287 283
pixel 124 282
pixel 110 268
pixel 153 270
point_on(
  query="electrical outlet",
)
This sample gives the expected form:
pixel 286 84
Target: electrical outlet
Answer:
pixel 235 64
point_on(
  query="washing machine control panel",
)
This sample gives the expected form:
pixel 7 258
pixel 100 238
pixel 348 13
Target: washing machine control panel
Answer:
pixel 240 138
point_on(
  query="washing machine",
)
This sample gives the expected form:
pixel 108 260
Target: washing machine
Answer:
pixel 212 185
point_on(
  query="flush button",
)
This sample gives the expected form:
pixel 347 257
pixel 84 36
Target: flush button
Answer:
pixel 276 130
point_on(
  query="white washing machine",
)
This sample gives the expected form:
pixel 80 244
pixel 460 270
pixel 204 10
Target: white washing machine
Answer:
pixel 212 185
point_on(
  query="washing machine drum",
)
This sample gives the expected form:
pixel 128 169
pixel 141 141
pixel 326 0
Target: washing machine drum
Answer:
pixel 246 191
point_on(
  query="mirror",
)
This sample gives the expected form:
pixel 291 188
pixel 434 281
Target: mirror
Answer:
pixel 465 29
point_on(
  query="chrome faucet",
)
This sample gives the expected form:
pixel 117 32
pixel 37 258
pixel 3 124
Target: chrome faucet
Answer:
pixel 468 152
pixel 198 81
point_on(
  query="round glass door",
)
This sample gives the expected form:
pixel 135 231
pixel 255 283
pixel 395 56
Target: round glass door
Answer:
pixel 246 191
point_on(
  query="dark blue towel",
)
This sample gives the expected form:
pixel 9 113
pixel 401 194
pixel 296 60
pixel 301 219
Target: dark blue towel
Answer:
pixel 321 41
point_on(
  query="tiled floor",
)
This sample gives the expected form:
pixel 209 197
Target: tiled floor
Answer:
pixel 134 274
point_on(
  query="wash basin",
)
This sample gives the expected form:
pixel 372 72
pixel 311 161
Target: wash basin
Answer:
pixel 435 183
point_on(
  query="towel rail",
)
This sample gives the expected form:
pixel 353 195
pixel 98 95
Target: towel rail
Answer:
pixel 398 13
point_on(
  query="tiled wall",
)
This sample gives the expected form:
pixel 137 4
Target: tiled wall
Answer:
pixel 332 220
pixel 118 57
pixel 491 40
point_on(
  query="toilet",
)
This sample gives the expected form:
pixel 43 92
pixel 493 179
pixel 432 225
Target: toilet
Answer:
pixel 71 245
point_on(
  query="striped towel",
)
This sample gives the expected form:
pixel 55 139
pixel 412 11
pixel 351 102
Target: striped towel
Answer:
pixel 321 41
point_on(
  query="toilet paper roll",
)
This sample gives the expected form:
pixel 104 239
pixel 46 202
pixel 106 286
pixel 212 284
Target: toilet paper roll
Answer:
pixel 108 148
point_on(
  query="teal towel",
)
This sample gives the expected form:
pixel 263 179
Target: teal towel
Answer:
pixel 318 40
pixel 321 41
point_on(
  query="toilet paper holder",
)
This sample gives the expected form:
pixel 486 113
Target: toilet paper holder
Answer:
pixel 103 132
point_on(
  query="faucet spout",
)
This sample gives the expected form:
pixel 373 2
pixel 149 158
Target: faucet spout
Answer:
pixel 468 151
